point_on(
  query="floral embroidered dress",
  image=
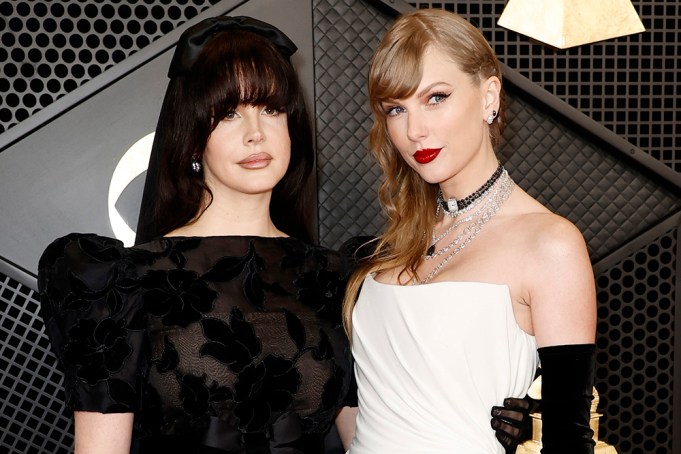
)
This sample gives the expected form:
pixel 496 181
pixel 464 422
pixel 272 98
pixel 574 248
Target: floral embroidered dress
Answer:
pixel 217 344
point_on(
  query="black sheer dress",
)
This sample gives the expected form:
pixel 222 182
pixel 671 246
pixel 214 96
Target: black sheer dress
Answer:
pixel 217 344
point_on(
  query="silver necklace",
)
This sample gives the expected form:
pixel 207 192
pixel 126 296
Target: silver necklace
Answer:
pixel 430 253
pixel 453 207
pixel 501 191
pixel 435 240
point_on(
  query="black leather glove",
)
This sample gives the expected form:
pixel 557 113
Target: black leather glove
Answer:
pixel 512 423
pixel 566 395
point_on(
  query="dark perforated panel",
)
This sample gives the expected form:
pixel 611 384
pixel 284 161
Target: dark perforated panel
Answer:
pixel 628 84
pixel 48 49
pixel 32 414
pixel 636 346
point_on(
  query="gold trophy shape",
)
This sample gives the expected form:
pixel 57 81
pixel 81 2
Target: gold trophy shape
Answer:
pixel 533 446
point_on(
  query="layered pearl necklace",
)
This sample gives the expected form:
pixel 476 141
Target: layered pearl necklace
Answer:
pixel 489 200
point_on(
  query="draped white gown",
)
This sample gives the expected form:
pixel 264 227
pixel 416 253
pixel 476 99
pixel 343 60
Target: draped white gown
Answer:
pixel 431 361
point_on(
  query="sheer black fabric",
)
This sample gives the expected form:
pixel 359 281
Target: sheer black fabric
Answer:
pixel 218 344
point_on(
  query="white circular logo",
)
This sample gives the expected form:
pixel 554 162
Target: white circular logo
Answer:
pixel 133 163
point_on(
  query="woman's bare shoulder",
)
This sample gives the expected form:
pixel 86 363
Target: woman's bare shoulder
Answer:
pixel 540 230
pixel 558 282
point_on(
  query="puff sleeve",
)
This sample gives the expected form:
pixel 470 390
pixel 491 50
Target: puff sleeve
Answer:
pixel 91 303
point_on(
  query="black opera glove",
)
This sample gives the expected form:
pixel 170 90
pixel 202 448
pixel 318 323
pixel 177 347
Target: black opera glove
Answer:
pixel 512 423
pixel 567 392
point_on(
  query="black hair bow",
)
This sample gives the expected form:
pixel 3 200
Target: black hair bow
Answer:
pixel 195 37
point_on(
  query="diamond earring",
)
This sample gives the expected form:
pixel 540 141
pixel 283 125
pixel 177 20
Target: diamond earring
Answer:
pixel 491 117
pixel 196 165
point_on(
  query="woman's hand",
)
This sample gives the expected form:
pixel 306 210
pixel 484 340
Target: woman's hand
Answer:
pixel 512 423
pixel 345 424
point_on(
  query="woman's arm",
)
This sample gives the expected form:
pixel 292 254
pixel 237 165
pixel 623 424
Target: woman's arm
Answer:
pixel 101 433
pixel 345 424
pixel 563 307
pixel 562 293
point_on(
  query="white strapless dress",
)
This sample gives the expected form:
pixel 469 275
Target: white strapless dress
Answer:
pixel 431 361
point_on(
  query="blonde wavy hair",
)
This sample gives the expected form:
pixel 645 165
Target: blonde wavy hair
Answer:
pixel 395 73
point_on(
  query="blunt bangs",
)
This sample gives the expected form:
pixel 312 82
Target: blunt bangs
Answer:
pixel 244 69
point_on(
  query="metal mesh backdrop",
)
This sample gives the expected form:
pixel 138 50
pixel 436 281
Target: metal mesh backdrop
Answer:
pixel 50 48
pixel 32 417
pixel 627 214
pixel 635 338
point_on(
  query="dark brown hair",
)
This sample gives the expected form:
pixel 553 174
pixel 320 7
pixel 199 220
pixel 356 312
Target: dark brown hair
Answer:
pixel 234 67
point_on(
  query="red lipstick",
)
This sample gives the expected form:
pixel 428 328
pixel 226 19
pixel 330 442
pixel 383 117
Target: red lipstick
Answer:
pixel 426 155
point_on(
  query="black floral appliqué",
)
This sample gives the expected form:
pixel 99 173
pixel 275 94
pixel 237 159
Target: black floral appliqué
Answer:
pixel 180 297
pixel 125 325
pixel 170 358
pixel 199 398
pixel 296 255
pixel 114 291
pixel 250 265
pixel 97 349
pixel 323 291
pixel 296 329
pixel 176 250
pixel 264 390
pixel 234 344
pixel 99 273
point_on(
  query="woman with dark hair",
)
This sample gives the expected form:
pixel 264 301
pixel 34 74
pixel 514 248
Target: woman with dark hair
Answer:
pixel 473 280
pixel 220 331
pixel 237 69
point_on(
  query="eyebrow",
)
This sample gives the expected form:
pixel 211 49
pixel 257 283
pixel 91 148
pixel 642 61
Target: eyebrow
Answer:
pixel 419 94
pixel 430 87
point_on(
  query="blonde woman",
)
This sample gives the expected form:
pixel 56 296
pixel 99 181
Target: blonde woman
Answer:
pixel 473 279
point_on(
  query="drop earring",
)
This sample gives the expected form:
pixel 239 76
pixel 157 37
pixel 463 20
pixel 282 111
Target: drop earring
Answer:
pixel 491 117
pixel 196 165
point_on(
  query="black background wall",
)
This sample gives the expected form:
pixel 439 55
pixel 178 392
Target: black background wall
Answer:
pixel 592 133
